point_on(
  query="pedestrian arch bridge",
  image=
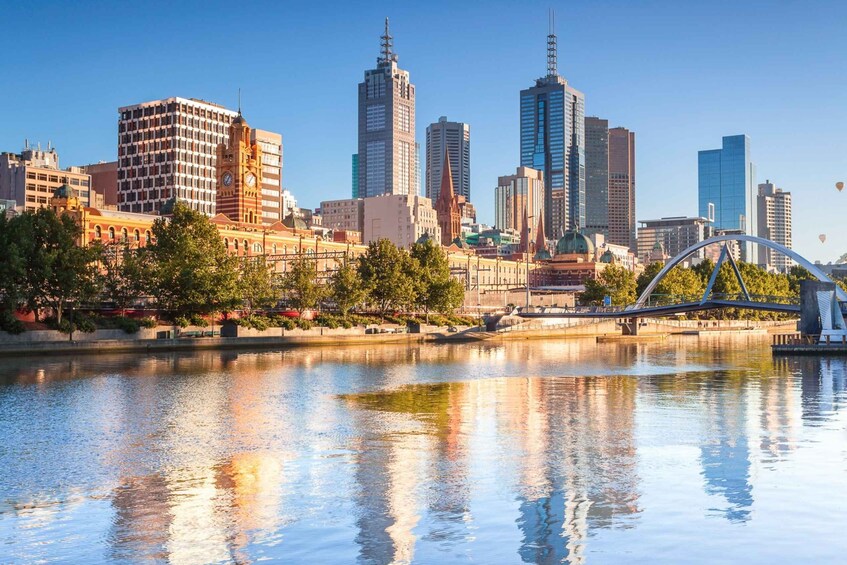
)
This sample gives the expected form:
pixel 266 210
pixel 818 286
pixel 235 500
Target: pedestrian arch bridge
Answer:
pixel 650 305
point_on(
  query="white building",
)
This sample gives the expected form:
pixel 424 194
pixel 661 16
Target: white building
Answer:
pixel 774 224
pixel 167 148
pixel 400 218
pixel 454 139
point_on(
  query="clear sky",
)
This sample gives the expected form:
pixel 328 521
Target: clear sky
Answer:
pixel 680 74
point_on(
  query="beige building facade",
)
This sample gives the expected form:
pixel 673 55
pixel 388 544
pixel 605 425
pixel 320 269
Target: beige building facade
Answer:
pixel 343 215
pixel 31 177
pixel 270 143
pixel 518 196
pixel 400 218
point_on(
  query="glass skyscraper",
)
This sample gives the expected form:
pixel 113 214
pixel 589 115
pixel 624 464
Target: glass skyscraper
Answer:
pixel 553 141
pixel 726 181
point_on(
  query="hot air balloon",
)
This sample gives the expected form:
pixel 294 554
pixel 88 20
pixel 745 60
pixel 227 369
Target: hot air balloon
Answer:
pixel 839 185
pixel 822 237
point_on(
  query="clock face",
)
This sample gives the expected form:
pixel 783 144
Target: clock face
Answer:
pixel 227 179
pixel 250 179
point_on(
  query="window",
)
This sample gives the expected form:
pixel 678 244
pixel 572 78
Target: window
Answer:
pixel 124 235
pixel 375 117
pixel 111 234
pixel 147 238
pixel 136 236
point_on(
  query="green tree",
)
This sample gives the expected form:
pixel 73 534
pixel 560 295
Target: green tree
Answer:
pixel 386 271
pixel 681 284
pixel 125 274
pixel 192 273
pixel 12 273
pixel 347 289
pixel 647 276
pixel 615 281
pixel 58 273
pixel 300 284
pixel 256 284
pixel 436 290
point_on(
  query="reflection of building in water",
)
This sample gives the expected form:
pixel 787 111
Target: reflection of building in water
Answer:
pixel 777 415
pixel 824 380
pixel 577 456
pixel 142 520
pixel 726 459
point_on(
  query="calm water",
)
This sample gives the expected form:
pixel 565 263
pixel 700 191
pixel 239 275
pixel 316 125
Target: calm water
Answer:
pixel 690 451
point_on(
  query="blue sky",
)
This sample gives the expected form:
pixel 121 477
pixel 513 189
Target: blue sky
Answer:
pixel 680 74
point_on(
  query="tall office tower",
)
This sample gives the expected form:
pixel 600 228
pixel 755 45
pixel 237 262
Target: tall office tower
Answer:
pixel 355 191
pixel 454 138
pixel 674 234
pixel 553 141
pixel 517 197
pixel 725 189
pixel 30 178
pixel 272 200
pixel 104 181
pixel 774 224
pixel 166 148
pixel 622 187
pixel 386 127
pixel 239 175
pixel 596 175
pixel 417 168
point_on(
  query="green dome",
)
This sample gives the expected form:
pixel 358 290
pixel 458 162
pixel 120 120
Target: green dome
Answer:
pixel 574 242
pixel 424 238
pixel 607 257
pixel 542 255
pixel 293 222
pixel 65 191
pixel 460 243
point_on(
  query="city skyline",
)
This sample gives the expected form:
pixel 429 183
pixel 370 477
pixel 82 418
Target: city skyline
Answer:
pixel 678 121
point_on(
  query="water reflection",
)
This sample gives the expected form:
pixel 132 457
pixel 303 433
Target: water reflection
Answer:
pixel 541 452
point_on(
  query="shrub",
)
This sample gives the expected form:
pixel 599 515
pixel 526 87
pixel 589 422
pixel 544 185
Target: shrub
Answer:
pixel 182 321
pixel 304 324
pixel 327 321
pixel 10 324
pixel 128 325
pixel 259 323
pixel 287 323
pixel 346 324
pixel 148 322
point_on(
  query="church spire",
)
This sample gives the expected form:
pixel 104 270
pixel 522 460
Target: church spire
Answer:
pixel 540 240
pixel 446 179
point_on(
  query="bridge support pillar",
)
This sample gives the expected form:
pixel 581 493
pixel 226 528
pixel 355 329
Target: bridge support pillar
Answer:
pixel 630 326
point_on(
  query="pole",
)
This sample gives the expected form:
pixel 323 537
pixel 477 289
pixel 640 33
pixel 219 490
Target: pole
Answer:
pixel 528 239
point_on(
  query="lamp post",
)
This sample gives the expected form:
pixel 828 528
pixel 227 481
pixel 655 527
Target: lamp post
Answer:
pixel 528 245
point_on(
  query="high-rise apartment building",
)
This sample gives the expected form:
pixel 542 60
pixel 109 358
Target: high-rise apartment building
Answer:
pixel 596 176
pixel 674 234
pixel 272 199
pixel 166 149
pixel 453 138
pixel 553 141
pixel 774 224
pixel 517 197
pixel 621 213
pixel 726 190
pixel 30 178
pixel 387 152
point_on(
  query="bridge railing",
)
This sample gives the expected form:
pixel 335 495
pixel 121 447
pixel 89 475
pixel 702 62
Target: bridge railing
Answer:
pixel 674 299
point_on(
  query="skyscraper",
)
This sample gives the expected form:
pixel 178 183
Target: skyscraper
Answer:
pixel 272 198
pixel 596 175
pixel 355 191
pixel 621 212
pixel 726 187
pixel 387 163
pixel 454 138
pixel 774 224
pixel 166 149
pixel 518 197
pixel 553 141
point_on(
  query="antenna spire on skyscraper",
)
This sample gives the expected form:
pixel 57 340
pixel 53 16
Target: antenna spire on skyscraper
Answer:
pixel 387 45
pixel 552 49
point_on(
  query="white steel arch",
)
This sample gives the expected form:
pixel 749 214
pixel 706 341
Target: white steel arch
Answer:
pixel 802 261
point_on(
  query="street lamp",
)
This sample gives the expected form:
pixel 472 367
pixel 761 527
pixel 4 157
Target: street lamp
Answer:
pixel 528 245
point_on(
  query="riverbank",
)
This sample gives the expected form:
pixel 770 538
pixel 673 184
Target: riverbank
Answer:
pixel 160 338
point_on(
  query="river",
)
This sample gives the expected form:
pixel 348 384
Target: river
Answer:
pixel 549 451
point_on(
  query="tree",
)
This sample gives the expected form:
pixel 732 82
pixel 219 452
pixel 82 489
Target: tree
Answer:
pixel 681 284
pixel 256 284
pixel 300 284
pixel 125 275
pixel 385 269
pixel 615 281
pixel 12 275
pixel 436 289
pixel 192 273
pixel 647 276
pixel 58 273
pixel 347 289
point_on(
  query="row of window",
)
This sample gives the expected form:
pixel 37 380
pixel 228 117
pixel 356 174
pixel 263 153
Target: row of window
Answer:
pixel 124 234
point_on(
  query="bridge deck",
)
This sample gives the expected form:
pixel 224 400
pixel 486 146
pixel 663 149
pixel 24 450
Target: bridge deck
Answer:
pixel 666 310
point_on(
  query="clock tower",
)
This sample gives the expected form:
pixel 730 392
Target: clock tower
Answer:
pixel 239 175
